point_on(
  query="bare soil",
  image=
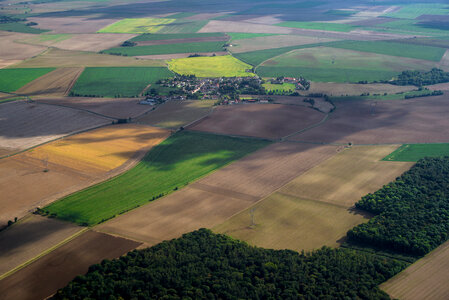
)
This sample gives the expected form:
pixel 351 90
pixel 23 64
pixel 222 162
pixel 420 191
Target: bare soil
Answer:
pixel 72 24
pixel 11 51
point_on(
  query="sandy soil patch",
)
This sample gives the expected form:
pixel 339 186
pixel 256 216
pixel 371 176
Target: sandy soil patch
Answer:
pixel 72 24
pixel 56 83
pixel 65 58
pixel 425 279
pixel 419 120
pixel 29 238
pixel 180 55
pixel 271 121
pixel 174 114
pixel 59 267
pixel 11 51
pixel 353 89
pixel 235 26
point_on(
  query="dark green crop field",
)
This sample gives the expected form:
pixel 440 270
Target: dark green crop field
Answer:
pixel 414 152
pixel 13 79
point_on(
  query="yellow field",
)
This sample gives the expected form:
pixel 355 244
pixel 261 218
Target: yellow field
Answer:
pixel 215 66
pixel 140 25
pixel 103 149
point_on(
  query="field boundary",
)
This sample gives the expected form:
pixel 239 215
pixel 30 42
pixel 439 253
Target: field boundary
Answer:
pixel 72 83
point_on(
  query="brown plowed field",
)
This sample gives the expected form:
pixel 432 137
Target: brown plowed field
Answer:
pixel 420 120
pixel 56 83
pixel 9 50
pixel 45 276
pixel 73 163
pixel 425 279
pixel 271 121
pixel 120 108
pixel 72 24
pixel 29 238
pixel 233 26
pixel 211 200
pixel 353 89
pixel 187 40
pixel 93 42
pixel 173 114
pixel 58 58
pixel 24 125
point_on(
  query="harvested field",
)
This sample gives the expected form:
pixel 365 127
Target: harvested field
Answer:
pixel 71 24
pixel 64 58
pixel 425 279
pixel 29 238
pixel 180 55
pixel 354 89
pixel 271 121
pixel 92 42
pixel 343 179
pixel 217 38
pixel 137 25
pixel 319 103
pixel 287 222
pixel 56 83
pixel 174 114
pixel 276 41
pixel 231 26
pixel 220 195
pixel 119 108
pixel 24 125
pixel 73 163
pixel 59 267
pixel 439 87
pixel 6 63
pixel 420 120
pixel 10 50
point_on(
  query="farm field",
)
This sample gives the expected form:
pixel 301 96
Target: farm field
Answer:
pixel 183 26
pixel 218 196
pixel 57 58
pixel 410 28
pixel 117 81
pixel 56 83
pixel 24 125
pixel 339 65
pixel 354 89
pixel 422 280
pixel 13 51
pixel 156 37
pixel 142 25
pixel 174 114
pixel 180 159
pixel 13 79
pixel 414 152
pixel 272 121
pixel 243 27
pixel 72 24
pixel 235 36
pixel 194 38
pixel 59 267
pixel 412 11
pixel 420 120
pixel 198 47
pixel 29 238
pixel 319 26
pixel 218 66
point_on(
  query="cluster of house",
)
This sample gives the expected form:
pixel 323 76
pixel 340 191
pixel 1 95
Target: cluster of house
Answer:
pixel 300 83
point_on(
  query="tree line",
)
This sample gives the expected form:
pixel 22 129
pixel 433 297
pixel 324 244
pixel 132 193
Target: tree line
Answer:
pixel 419 78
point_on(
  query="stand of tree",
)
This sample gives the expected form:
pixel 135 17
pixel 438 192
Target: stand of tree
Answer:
pixel 419 78
pixel 203 265
pixel 412 212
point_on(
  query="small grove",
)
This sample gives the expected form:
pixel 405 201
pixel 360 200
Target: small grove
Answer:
pixel 419 78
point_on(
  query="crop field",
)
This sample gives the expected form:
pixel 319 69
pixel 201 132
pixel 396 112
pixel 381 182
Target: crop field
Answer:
pixel 20 27
pixel 271 121
pixel 56 83
pixel 72 24
pixel 243 27
pixel 168 49
pixel 372 122
pixel 220 195
pixel 60 266
pixel 276 88
pixel 57 58
pixel 117 81
pixel 319 26
pixel 338 65
pixel 143 25
pixel 174 36
pixel 183 26
pixel 217 66
pixel 13 79
pixel 235 36
pixel 12 51
pixel 29 238
pixel 412 11
pixel 174 114
pixel 181 159
pixel 425 279
pixel 410 28
pixel 354 89
pixel 414 152
pixel 24 125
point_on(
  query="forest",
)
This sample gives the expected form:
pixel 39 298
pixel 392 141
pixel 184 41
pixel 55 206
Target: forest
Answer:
pixel 419 78
pixel 412 212
pixel 202 265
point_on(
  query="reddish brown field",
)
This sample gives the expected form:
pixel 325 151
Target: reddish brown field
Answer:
pixel 420 120
pixel 215 198
pixel 45 276
pixel 271 121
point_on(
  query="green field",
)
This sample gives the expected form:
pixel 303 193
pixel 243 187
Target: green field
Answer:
pixel 243 35
pixel 13 79
pixel 412 11
pixel 20 27
pixel 279 88
pixel 168 49
pixel 140 25
pixel 394 49
pixel 117 81
pixel 183 26
pixel 337 65
pixel 398 96
pixel 414 152
pixel 182 158
pixel 318 26
pixel 409 27
pixel 173 36
pixel 216 66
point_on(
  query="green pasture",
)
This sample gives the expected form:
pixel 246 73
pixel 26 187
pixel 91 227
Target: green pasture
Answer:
pixel 13 79
pixel 173 36
pixel 179 160
pixel 279 88
pixel 21 27
pixel 243 35
pixel 117 81
pixel 412 11
pixel 199 47
pixel 318 26
pixel 414 152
